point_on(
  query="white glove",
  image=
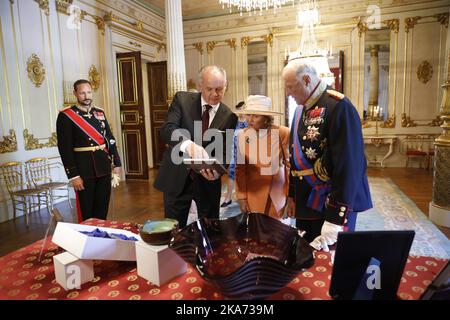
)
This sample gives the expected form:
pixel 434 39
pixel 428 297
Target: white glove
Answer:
pixel 328 236
pixel 115 179
pixel 196 152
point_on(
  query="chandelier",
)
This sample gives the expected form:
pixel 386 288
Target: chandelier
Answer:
pixel 307 18
pixel 253 6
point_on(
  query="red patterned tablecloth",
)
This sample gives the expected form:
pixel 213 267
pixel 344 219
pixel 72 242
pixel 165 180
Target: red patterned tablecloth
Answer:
pixel 22 276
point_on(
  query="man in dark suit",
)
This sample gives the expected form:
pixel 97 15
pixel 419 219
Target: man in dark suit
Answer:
pixel 328 183
pixel 204 111
pixel 87 148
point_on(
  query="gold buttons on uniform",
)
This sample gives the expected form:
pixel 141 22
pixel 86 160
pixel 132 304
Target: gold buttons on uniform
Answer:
pixel 342 208
pixel 304 137
pixel 301 177
pixel 303 147
pixel 341 214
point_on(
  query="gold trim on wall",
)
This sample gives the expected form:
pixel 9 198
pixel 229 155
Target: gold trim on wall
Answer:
pixel 442 18
pixel 198 46
pixel 35 70
pixel 436 122
pixel 407 122
pixel 362 26
pixel 245 41
pixel 411 22
pixel 94 78
pixel 18 67
pixel 210 46
pixel 6 82
pixel 232 43
pixel 43 5
pixel 161 46
pixel 389 123
pixel 32 143
pixel 100 23
pixel 63 5
pixel 268 39
pixel 393 24
pixel 424 71
pixel 9 143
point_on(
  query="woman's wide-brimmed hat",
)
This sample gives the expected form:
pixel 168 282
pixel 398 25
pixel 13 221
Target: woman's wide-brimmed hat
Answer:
pixel 256 104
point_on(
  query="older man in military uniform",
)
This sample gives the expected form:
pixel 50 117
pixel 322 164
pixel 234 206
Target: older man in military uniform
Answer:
pixel 328 182
pixel 88 151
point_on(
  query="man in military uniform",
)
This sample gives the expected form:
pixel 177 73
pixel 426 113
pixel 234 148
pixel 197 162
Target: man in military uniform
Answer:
pixel 328 182
pixel 87 148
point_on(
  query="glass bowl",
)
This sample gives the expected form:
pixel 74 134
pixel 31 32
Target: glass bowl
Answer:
pixel 158 232
pixel 249 256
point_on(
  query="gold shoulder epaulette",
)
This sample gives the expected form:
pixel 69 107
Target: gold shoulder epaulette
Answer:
pixel 96 107
pixel 335 94
pixel 63 109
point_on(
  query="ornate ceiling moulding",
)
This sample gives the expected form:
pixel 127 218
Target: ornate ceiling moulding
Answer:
pixel 362 26
pixel 43 5
pixel 268 39
pixel 9 143
pixel 393 24
pixel 210 46
pixel 110 18
pixel 411 22
pixel 94 77
pixel 389 123
pixel 407 122
pixel 231 42
pixel 198 46
pixel 442 18
pixel 424 72
pixel 35 70
pixel 436 122
pixel 32 143
pixel 245 41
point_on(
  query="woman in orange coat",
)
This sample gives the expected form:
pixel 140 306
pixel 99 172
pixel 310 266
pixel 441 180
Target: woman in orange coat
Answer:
pixel 261 174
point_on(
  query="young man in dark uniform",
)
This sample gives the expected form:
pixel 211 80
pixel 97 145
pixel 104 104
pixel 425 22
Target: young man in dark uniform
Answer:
pixel 328 182
pixel 87 148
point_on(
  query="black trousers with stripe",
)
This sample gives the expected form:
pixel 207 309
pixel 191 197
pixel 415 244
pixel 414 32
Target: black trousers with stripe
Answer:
pixel 93 201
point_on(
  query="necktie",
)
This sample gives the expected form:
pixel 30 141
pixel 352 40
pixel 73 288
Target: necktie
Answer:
pixel 205 119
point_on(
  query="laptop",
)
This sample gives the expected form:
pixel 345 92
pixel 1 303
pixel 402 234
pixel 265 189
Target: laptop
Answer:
pixel 368 265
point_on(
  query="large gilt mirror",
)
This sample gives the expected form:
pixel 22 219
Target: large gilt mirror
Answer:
pixel 376 74
pixel 257 68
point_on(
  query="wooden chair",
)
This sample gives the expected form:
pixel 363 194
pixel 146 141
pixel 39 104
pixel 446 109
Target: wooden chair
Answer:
pixel 413 148
pixel 21 193
pixel 39 175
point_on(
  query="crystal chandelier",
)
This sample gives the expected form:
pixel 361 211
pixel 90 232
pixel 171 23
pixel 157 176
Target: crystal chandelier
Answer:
pixel 307 18
pixel 253 6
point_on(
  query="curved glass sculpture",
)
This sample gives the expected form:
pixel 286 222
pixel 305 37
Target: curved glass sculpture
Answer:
pixel 249 256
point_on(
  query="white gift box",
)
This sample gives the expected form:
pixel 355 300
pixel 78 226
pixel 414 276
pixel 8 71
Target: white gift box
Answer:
pixel 68 237
pixel 71 272
pixel 158 264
